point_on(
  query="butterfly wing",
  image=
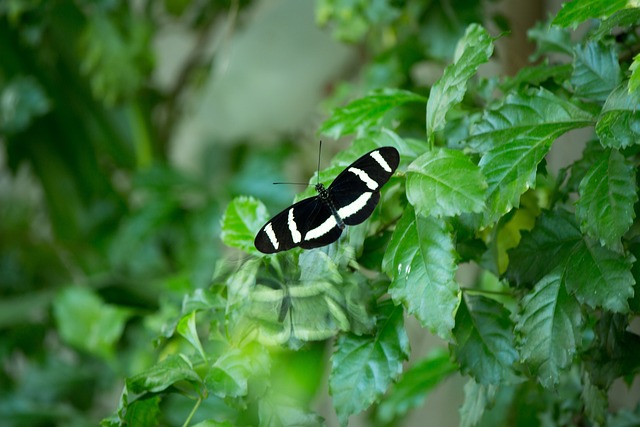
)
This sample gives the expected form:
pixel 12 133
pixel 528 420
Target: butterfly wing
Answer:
pixel 356 191
pixel 308 223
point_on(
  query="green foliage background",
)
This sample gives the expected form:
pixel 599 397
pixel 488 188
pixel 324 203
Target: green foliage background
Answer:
pixel 113 271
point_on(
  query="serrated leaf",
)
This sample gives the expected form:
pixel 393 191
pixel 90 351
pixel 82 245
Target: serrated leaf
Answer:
pixel 472 50
pixel 634 79
pixel 484 345
pixel 514 138
pixel 549 328
pixel 619 123
pixel 536 75
pixel 420 260
pixel 162 375
pixel 607 196
pixel 477 398
pixel 620 20
pixel 542 249
pixel 365 113
pixel 596 71
pixel 241 221
pixel 84 321
pixel 549 39
pixel 415 385
pixel 578 11
pixel 445 182
pixel 595 400
pixel 600 277
pixel 363 367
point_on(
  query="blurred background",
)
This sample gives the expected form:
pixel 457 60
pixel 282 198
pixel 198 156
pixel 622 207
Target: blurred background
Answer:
pixel 127 126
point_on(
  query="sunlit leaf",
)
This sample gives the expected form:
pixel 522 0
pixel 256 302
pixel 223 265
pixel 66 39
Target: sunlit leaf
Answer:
pixel 365 113
pixel 445 182
pixel 549 328
pixel 277 410
pixel 162 375
pixel 607 196
pixel 420 260
pixel 187 328
pixel 230 374
pixel 472 50
pixel 484 344
pixel 363 367
pixel 578 11
pixel 619 123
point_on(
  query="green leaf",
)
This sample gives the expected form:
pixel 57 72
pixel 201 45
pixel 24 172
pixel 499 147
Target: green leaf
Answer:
pixel 549 328
pixel 596 71
pixel 86 322
pixel 363 367
pixel 472 50
pixel 579 11
pixel 230 373
pixel 143 412
pixel 549 40
pixel 187 328
pixel 484 345
pixel 600 277
pixel 415 385
pixel 514 138
pixel 276 410
pixel 634 79
pixel 536 75
pixel 364 113
pixel 162 375
pixel 241 221
pixel 620 20
pixel 607 196
pixel 596 402
pixel 445 182
pixel 619 123
pixel 420 259
pixel 477 398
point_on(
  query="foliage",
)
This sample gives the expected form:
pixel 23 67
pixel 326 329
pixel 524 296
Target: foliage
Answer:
pixel 542 334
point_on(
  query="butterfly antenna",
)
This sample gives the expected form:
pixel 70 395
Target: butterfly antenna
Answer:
pixel 319 151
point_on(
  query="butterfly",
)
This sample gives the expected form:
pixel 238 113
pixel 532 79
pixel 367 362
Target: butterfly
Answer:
pixel 318 221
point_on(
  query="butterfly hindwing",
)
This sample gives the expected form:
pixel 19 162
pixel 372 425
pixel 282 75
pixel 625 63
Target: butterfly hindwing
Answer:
pixel 318 221
pixel 289 228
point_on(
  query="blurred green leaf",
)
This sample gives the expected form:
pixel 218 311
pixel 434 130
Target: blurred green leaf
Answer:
pixel 278 410
pixel 550 39
pixel 420 260
pixel 415 384
pixel 87 323
pixel 596 71
pixel 621 19
pixel 363 114
pixel 445 182
pixel 477 398
pixel 549 328
pixel 21 101
pixel 596 403
pixel 607 196
pixel 634 79
pixel 619 122
pixel 473 50
pixel 164 374
pixel 362 368
pixel 484 344
pixel 230 374
pixel 187 328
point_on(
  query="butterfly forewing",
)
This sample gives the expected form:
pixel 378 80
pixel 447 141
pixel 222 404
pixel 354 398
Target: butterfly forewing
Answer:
pixel 350 199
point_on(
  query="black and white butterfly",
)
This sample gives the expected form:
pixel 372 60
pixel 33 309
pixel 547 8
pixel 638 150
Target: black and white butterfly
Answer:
pixel 349 200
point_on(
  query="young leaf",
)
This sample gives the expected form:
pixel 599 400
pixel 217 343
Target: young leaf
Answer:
pixel 472 50
pixel 515 138
pixel 162 375
pixel 549 328
pixel 415 384
pixel 484 345
pixel 607 196
pixel 187 328
pixel 445 182
pixel 363 367
pixel 365 113
pixel 600 277
pixel 241 221
pixel 542 249
pixel 420 260
pixel 579 11
pixel 619 123
pixel 596 71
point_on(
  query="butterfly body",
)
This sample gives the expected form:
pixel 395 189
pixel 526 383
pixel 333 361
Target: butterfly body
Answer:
pixel 349 200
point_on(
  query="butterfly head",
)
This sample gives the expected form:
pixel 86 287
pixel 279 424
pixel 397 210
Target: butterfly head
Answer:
pixel 322 192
